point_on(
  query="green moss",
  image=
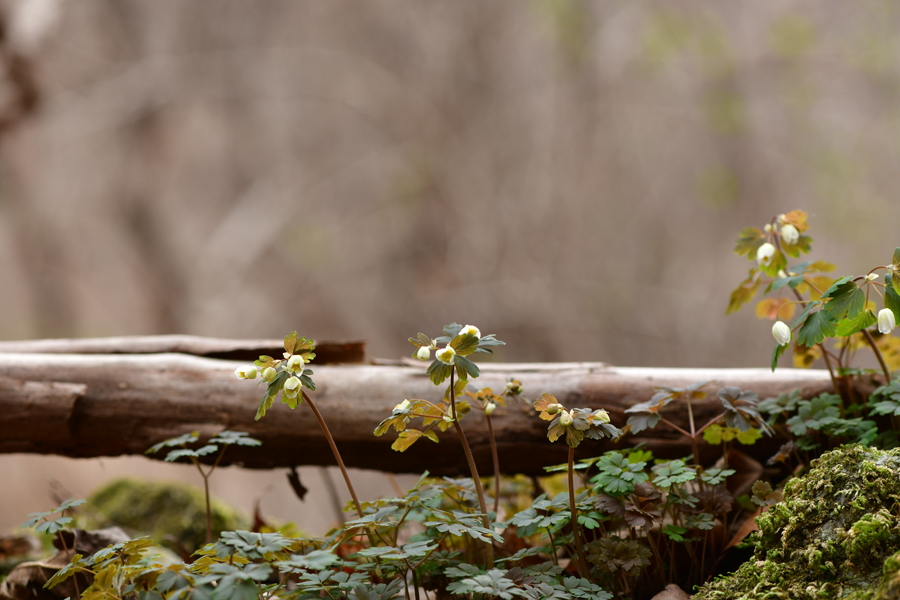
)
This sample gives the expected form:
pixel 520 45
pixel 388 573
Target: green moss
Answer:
pixel 836 534
pixel 173 514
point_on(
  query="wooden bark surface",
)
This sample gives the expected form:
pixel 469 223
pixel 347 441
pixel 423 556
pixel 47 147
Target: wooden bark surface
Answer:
pixel 108 405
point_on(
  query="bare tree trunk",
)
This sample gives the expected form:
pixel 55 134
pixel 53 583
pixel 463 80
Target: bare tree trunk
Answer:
pixel 109 405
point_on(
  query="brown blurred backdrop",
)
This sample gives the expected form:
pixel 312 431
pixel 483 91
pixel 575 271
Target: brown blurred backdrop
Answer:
pixel 569 175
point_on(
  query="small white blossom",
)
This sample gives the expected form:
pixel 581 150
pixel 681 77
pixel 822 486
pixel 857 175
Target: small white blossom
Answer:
pixel 790 234
pixel 601 416
pixel 445 355
pixel 781 218
pixel 781 332
pixel 402 406
pixel 245 372
pixel 886 322
pixel 565 418
pixel 295 364
pixel 423 353
pixel 490 408
pixel 871 276
pixel 292 387
pixel 782 274
pixel 768 228
pixel 448 419
pixel 269 374
pixel 765 253
pixel 470 329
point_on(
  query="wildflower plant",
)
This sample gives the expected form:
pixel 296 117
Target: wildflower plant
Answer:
pixel 820 316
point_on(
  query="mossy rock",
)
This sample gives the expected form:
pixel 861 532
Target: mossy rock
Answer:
pixel 836 534
pixel 172 514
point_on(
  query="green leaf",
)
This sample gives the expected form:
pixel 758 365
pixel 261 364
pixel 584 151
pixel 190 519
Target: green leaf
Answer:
pixel 237 438
pixel 778 263
pixel 438 372
pixel 891 297
pixel 776 354
pixel 464 344
pixel 850 326
pixel 187 452
pixel 290 342
pixel 748 242
pixel 271 391
pixel 405 439
pixel 817 327
pixel 896 260
pixel 845 298
pixel 466 365
pixel 181 440
pixel 744 292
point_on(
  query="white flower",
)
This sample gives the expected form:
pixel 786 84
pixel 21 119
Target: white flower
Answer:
pixel 295 364
pixel 790 234
pixel 269 374
pixel 565 418
pixel 245 372
pixel 782 274
pixel 470 329
pixel 402 406
pixel 781 332
pixel 781 218
pixel 871 276
pixel 445 355
pixel 423 353
pixel 767 228
pixel 886 322
pixel 490 408
pixel 601 416
pixel 765 253
pixel 292 387
pixel 448 419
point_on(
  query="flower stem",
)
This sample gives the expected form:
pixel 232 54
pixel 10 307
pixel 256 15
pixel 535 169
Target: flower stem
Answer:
pixel 583 569
pixel 471 460
pixel 334 450
pixel 878 355
pixel 496 458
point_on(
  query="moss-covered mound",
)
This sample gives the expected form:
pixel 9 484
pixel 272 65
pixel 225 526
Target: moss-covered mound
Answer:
pixel 836 534
pixel 173 514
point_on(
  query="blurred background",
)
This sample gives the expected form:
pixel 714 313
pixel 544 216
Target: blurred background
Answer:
pixel 569 175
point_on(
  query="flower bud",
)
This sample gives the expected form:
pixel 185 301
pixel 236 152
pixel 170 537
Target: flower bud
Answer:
pixel 292 387
pixel 789 234
pixel 513 388
pixel 448 419
pixel 565 418
pixel 553 409
pixel 886 322
pixel 601 416
pixel 269 374
pixel 295 364
pixel 402 406
pixel 470 329
pixel 781 332
pixel 445 355
pixel 767 228
pixel 423 353
pixel 245 372
pixel 781 218
pixel 765 253
pixel 871 276
pixel 489 408
pixel 782 274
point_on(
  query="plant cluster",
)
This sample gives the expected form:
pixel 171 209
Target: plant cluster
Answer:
pixel 625 522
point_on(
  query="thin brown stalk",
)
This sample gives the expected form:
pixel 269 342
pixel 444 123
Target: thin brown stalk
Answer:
pixel 479 490
pixel 583 569
pixel 337 454
pixel 496 458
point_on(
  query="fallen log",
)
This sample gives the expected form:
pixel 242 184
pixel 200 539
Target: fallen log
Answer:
pixel 195 345
pixel 94 405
